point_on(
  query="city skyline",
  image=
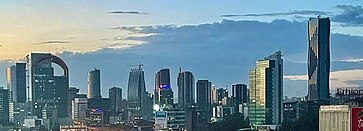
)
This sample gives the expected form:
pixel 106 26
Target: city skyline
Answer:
pixel 345 43
pixel 181 65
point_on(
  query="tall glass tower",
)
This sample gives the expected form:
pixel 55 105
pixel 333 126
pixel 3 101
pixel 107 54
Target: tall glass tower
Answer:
pixel 163 91
pixel 318 58
pixel 185 89
pixel 266 88
pixel 16 82
pixel 94 84
pixel 136 94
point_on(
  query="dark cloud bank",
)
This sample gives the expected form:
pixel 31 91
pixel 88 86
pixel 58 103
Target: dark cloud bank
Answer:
pixel 222 52
pixel 127 12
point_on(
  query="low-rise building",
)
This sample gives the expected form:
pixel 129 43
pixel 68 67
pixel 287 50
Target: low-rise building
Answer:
pixel 340 118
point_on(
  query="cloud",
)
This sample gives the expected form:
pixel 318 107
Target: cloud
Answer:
pixel 353 60
pixel 293 12
pixel 127 12
pixel 350 15
pixel 198 48
pixel 53 42
pixel 338 79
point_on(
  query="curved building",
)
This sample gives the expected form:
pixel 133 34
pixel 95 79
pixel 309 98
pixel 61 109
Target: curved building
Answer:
pixel 94 84
pixel 318 58
pixel 185 89
pixel 49 92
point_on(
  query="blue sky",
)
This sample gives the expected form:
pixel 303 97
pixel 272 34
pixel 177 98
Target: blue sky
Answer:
pixel 217 40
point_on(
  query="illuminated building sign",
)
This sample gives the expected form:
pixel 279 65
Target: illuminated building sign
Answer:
pixel 349 92
pixel 96 110
pixel 165 86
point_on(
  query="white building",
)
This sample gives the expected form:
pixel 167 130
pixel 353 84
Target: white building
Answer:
pixel 79 108
pixel 340 118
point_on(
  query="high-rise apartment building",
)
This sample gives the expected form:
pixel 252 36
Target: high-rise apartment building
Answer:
pixel 266 86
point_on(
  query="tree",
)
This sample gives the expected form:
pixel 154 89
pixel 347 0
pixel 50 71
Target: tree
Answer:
pixel 230 123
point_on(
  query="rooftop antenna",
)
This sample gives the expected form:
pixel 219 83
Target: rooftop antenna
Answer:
pixel 139 65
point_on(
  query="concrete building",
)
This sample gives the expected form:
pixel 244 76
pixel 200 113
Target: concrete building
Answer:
pixel 94 118
pixel 79 108
pixel 294 110
pixel 340 118
pixel 94 84
pixel 176 119
pixel 214 96
pixel 222 111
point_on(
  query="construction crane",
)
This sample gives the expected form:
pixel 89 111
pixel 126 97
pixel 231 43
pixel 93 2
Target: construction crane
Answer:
pixel 139 65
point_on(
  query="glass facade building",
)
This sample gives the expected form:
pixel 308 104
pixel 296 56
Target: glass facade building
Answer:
pixel 94 84
pixel 318 58
pixel 136 94
pixel 163 92
pixel 185 89
pixel 48 90
pixel 16 82
pixel 266 91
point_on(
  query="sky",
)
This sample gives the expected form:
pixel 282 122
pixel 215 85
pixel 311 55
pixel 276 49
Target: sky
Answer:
pixel 216 40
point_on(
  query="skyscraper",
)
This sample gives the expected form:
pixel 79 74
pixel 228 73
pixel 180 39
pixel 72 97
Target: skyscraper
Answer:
pixel 239 96
pixel 204 93
pixel 48 90
pixel 204 101
pixel 79 108
pixel 318 58
pixel 163 91
pixel 16 82
pixel 136 95
pixel 185 89
pixel 115 94
pixel 4 105
pixel 94 84
pixel 214 95
pixel 266 91
pixel 221 94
